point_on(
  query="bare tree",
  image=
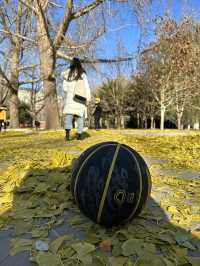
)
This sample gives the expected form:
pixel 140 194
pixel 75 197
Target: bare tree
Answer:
pixel 49 43
pixel 37 99
pixel 13 22
pixel 172 65
pixel 54 41
pixel 183 61
pixel 157 69
pixel 113 94
pixel 141 102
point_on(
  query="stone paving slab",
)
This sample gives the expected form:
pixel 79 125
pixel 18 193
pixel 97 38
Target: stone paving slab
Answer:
pixel 4 244
pixel 21 259
pixel 185 174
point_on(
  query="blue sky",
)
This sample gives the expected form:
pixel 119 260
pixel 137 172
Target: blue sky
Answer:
pixel 128 32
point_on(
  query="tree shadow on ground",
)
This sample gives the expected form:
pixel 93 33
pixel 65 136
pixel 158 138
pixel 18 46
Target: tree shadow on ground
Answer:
pixel 43 209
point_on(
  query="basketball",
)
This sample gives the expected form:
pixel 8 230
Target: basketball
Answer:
pixel 110 183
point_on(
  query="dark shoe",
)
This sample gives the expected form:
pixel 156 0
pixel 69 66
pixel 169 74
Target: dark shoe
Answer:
pixel 79 136
pixel 67 136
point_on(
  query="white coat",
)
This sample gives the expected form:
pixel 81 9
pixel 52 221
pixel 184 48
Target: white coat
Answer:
pixel 71 106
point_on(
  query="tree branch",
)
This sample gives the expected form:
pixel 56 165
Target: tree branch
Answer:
pixel 35 112
pixel 55 4
pixel 44 21
pixel 5 56
pixel 6 79
pixel 69 15
pixel 21 68
pixel 3 16
pixel 71 45
pixel 95 60
pixel 29 81
pixel 28 5
pixel 2 100
pixel 19 36
pixel 64 25
pixel 83 11
pixel 107 61
pixel 45 4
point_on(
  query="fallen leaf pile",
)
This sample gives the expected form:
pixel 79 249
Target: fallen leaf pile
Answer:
pixel 35 200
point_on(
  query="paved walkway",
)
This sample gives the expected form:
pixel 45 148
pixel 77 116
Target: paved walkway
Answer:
pixel 158 133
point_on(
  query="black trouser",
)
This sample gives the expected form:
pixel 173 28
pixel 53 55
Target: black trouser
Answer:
pixel 97 122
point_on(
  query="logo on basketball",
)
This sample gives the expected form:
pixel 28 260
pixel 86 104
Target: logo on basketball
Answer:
pixel 121 196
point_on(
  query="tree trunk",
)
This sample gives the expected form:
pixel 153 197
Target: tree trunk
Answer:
pixel 14 100
pixel 118 121
pixel 152 122
pixel 107 123
pixel 138 120
pixel 52 120
pixel 14 110
pixel 162 117
pixel 179 117
pixel 33 122
pixel 122 122
pixel 47 67
pixel 196 124
pixel 145 122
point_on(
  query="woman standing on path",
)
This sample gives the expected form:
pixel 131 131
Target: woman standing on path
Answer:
pixel 77 96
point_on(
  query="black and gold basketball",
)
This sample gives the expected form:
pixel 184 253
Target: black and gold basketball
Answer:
pixel 110 183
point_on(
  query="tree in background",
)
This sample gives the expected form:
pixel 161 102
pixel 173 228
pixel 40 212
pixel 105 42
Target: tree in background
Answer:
pixel 184 54
pixel 24 116
pixel 167 78
pixel 15 28
pixel 113 95
pixel 140 101
pixel 155 66
pixel 172 66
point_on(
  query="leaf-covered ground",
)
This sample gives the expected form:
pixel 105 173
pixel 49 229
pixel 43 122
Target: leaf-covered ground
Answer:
pixel 36 203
